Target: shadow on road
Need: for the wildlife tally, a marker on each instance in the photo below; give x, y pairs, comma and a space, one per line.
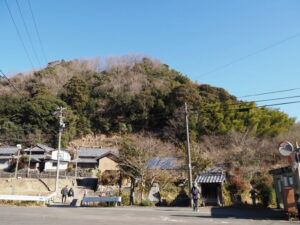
242, 213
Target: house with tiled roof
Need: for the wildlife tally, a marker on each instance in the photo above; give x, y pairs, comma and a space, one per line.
97, 158
7, 154
44, 158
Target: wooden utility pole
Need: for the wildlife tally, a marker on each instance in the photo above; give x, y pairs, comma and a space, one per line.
59, 113
28, 167
19, 147
188, 150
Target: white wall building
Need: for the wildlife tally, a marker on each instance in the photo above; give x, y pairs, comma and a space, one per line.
51, 162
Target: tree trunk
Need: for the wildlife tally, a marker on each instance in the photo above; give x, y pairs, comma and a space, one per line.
120, 183
131, 200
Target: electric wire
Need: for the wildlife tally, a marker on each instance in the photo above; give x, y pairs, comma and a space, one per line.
17, 90
246, 109
249, 55
275, 99
28, 34
37, 32
271, 92
19, 34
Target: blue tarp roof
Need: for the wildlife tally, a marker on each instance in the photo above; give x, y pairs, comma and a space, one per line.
168, 163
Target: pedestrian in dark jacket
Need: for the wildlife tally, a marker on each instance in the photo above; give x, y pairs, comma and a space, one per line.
71, 193
64, 193
195, 195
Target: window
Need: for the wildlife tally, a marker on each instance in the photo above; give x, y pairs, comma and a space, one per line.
291, 181
279, 185
285, 181
54, 164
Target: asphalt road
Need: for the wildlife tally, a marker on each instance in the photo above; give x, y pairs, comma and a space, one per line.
137, 216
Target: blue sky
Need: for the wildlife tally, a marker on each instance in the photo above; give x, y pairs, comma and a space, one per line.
192, 36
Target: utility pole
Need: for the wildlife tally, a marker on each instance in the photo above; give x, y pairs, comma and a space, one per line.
28, 168
19, 147
188, 150
76, 163
59, 113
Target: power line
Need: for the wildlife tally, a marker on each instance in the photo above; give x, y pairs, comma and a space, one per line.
267, 93
246, 109
37, 32
274, 99
249, 55
248, 102
27, 32
19, 34
10, 83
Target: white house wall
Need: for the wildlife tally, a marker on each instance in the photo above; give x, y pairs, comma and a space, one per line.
64, 156
49, 165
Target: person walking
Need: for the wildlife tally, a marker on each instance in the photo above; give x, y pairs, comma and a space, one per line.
195, 195
64, 193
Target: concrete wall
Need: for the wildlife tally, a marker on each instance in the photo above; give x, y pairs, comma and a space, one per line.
28, 186
106, 163
4, 164
50, 167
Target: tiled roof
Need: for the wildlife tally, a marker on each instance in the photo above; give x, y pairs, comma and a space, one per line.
95, 152
282, 170
44, 147
169, 163
8, 150
210, 177
85, 161
6, 157
37, 158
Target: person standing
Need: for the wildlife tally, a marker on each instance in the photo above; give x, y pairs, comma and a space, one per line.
71, 193
253, 194
195, 195
64, 193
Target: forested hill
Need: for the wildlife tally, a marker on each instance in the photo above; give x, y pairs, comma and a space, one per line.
125, 96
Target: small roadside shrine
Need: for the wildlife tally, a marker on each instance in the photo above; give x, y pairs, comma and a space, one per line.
286, 180
210, 182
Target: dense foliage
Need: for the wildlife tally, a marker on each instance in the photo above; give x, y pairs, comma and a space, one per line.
124, 97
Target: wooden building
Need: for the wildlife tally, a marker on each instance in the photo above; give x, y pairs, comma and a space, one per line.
210, 183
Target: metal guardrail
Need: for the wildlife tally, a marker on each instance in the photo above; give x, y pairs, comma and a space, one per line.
44, 199
102, 199
87, 200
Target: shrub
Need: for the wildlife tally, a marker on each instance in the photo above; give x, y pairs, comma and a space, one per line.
236, 186
125, 199
146, 203
227, 200
109, 178
264, 190
264, 193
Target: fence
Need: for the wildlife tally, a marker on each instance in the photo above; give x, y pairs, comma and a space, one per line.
38, 175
